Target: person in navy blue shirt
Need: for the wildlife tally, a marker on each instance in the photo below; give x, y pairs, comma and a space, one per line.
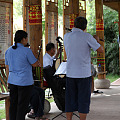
19, 61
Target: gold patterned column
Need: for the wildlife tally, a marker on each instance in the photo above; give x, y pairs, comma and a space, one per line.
101, 82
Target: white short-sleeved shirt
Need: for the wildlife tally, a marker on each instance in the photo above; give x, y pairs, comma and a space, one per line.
78, 46
47, 60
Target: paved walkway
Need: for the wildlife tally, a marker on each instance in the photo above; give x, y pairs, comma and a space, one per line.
117, 82
104, 106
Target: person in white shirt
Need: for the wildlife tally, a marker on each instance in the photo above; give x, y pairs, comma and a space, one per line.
78, 46
50, 55
49, 60
56, 83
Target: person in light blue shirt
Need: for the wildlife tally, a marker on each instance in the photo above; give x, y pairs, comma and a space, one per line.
78, 46
19, 61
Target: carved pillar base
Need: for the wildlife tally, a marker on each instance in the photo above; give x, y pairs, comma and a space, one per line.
102, 84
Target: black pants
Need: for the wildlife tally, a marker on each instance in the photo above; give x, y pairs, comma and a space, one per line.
19, 101
37, 101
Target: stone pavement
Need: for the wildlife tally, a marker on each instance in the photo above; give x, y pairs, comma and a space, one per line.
105, 106
116, 82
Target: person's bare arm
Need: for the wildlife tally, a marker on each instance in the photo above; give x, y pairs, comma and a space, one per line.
100, 49
36, 64
97, 38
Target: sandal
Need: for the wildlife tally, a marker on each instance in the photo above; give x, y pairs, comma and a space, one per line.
97, 91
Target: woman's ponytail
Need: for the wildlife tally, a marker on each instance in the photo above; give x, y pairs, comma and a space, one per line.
15, 46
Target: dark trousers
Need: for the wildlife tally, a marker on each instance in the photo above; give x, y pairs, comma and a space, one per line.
37, 101
78, 98
19, 101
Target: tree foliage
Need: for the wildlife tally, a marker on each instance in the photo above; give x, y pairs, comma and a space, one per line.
17, 4
90, 15
111, 37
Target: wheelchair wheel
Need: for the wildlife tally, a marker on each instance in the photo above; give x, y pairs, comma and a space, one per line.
47, 106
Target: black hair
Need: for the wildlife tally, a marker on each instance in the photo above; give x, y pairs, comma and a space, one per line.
19, 35
49, 46
81, 23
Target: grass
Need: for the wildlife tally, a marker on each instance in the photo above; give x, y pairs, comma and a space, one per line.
50, 99
111, 77
2, 110
2, 114
1, 102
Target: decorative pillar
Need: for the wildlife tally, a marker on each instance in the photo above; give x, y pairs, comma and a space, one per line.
101, 82
66, 19
51, 21
71, 10
32, 24
35, 25
35, 33
51, 24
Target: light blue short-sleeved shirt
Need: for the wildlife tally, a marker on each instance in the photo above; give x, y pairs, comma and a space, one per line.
19, 61
78, 46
